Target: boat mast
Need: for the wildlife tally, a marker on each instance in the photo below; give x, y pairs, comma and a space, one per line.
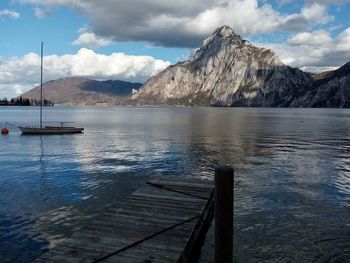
41, 87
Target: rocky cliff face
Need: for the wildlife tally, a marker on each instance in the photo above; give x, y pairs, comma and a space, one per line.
330, 89
227, 71
82, 91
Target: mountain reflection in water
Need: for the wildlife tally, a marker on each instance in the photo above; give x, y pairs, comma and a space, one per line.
292, 175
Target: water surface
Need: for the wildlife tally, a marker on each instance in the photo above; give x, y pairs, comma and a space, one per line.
292, 174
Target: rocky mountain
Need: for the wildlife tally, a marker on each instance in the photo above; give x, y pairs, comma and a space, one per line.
230, 71
82, 91
330, 89
226, 71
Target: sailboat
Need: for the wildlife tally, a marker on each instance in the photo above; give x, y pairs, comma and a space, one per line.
61, 129
50, 129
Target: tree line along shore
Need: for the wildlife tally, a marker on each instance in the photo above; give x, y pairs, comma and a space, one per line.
24, 102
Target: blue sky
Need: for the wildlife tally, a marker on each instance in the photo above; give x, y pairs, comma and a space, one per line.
133, 40
58, 30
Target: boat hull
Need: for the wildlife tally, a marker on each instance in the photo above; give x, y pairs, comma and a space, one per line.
51, 130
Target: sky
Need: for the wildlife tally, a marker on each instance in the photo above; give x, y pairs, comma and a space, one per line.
135, 39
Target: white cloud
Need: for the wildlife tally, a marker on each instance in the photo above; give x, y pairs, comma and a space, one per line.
317, 13
328, 2
343, 41
10, 13
18, 75
90, 40
314, 51
42, 13
49, 2
170, 27
315, 38
186, 23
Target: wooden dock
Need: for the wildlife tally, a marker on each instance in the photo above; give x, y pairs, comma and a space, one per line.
160, 222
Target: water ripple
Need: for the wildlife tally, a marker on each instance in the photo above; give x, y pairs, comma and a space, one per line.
292, 180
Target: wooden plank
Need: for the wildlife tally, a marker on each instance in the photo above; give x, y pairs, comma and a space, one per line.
186, 182
180, 187
159, 222
158, 185
181, 181
163, 201
162, 197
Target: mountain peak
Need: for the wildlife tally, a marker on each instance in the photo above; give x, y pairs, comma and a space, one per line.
223, 34
227, 70
224, 31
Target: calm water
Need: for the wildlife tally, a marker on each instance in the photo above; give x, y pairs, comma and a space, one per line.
292, 170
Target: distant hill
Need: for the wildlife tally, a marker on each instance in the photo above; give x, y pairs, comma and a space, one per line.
83, 91
230, 71
331, 89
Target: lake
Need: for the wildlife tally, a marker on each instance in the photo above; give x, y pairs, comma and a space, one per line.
292, 174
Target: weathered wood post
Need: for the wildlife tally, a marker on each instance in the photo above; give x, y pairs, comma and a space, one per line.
224, 214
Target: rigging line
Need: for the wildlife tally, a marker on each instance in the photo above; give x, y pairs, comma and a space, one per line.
10, 124
145, 239
176, 191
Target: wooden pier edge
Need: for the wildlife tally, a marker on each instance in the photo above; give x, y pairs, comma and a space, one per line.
194, 245
184, 206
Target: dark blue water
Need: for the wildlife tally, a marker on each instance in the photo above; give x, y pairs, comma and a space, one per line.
292, 174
